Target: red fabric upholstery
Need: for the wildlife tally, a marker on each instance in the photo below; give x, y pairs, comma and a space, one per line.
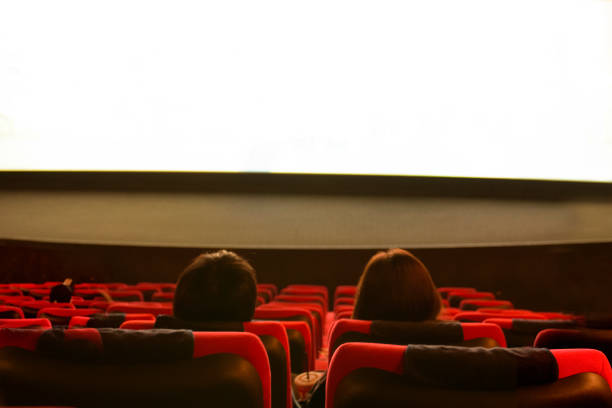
270, 286
11, 310
277, 330
40, 304
350, 356
88, 304
574, 361
14, 300
478, 330
445, 290
25, 323
306, 289
304, 330
81, 321
345, 290
345, 325
10, 292
478, 303
504, 323
154, 308
128, 295
138, 325
295, 307
265, 312
344, 301
66, 312
246, 345
162, 296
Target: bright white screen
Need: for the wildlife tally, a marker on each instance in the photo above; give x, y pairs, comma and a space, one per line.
477, 88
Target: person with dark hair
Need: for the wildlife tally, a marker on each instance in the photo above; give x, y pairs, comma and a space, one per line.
395, 285
61, 293
217, 286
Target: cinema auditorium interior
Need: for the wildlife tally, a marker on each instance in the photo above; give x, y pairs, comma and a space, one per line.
284, 204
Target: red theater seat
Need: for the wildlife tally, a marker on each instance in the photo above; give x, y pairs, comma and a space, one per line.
31, 308
269, 286
154, 308
109, 320
314, 310
476, 304
301, 289
162, 297
345, 291
25, 323
382, 375
391, 332
455, 297
445, 290
576, 338
61, 316
91, 368
290, 314
14, 300
522, 332
10, 292
11, 312
274, 338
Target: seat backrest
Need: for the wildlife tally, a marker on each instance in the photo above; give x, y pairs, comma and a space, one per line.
274, 338
474, 304
271, 311
300, 346
112, 367
444, 291
11, 312
382, 375
25, 323
576, 338
270, 286
455, 297
154, 308
31, 308
108, 320
431, 332
522, 332
59, 316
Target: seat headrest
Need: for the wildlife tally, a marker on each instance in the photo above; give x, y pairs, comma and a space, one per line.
478, 368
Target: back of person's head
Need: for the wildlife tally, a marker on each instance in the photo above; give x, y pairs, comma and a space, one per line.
217, 286
395, 285
61, 293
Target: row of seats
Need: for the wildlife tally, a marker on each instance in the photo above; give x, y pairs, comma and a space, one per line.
182, 367
305, 308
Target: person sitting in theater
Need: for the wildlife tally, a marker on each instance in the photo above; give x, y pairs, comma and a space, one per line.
216, 286
395, 285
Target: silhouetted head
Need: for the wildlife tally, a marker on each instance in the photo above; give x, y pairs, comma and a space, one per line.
395, 285
60, 293
218, 286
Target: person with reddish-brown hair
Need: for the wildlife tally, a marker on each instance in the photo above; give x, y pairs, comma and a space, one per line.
216, 286
395, 285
